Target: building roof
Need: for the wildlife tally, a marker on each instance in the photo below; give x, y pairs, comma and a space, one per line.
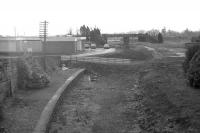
48, 38
20, 38
68, 39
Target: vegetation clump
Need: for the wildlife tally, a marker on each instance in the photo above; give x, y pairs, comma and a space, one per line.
160, 38
153, 36
191, 65
93, 35
1, 113
191, 50
31, 74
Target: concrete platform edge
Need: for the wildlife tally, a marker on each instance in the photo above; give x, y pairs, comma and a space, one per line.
43, 122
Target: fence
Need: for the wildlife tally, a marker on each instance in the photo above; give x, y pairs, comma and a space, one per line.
75, 59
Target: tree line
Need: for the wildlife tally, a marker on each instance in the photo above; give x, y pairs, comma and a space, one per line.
153, 36
92, 35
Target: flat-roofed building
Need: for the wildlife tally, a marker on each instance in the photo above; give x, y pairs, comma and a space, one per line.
54, 45
64, 45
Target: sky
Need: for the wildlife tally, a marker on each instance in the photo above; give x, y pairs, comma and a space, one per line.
111, 16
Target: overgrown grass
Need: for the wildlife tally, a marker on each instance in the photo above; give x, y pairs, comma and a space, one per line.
31, 74
1, 113
191, 65
133, 54
191, 50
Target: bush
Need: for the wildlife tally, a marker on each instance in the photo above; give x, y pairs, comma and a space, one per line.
132, 54
30, 74
126, 42
191, 50
193, 72
191, 65
1, 113
195, 39
160, 38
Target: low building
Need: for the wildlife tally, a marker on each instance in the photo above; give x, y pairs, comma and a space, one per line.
54, 45
115, 41
20, 45
64, 45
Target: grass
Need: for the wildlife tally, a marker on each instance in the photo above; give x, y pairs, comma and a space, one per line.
133, 54
167, 44
167, 94
168, 104
164, 103
108, 102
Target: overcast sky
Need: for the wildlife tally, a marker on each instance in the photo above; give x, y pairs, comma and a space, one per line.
111, 16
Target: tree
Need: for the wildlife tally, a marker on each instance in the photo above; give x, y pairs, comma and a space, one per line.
92, 35
160, 38
96, 37
153, 35
164, 31
126, 42
85, 31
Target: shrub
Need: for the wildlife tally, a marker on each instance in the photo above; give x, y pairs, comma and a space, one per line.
195, 39
191, 50
160, 38
30, 74
126, 42
191, 65
193, 72
1, 113
142, 37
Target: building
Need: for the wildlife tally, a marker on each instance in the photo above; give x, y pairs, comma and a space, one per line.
64, 45
20, 44
115, 41
54, 45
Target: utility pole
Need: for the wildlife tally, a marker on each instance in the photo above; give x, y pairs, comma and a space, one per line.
43, 36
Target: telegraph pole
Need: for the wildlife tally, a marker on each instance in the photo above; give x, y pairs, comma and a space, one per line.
43, 36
